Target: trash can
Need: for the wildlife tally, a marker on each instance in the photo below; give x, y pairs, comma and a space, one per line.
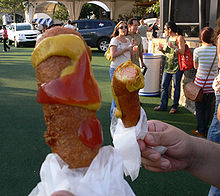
152, 76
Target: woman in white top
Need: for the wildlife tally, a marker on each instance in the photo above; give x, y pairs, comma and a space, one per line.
203, 58
120, 50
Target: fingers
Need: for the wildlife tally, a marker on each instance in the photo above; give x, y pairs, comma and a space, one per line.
153, 161
151, 154
141, 145
156, 166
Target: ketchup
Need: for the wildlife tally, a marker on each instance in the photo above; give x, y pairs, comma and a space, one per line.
90, 133
78, 88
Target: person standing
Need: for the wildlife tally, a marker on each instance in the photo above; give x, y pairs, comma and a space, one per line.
120, 50
203, 58
5, 38
135, 39
171, 68
155, 28
143, 29
69, 25
214, 129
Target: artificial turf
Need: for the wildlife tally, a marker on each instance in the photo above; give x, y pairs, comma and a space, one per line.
22, 146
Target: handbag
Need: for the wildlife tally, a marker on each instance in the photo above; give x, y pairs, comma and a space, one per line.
185, 60
108, 55
194, 92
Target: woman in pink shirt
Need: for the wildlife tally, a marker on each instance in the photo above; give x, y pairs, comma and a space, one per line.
5, 38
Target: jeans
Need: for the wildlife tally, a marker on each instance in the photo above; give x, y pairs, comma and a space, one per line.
166, 79
214, 129
203, 112
5, 44
214, 191
214, 135
111, 71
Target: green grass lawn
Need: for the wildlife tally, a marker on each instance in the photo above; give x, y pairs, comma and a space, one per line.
22, 146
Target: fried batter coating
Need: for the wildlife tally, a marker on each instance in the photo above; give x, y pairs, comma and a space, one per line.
63, 122
126, 82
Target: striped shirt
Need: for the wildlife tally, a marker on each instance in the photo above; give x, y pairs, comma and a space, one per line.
204, 56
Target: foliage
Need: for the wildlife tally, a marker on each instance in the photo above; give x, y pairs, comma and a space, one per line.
155, 8
140, 11
88, 9
61, 14
12, 6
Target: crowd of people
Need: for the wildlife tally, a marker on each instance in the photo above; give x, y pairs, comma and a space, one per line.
195, 154
128, 42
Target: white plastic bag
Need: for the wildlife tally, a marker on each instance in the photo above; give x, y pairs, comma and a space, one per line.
104, 177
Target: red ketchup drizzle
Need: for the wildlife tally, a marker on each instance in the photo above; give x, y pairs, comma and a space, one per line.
90, 133
77, 88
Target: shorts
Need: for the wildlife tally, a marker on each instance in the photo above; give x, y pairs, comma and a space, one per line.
144, 42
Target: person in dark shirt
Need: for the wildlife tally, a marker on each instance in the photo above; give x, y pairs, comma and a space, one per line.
155, 28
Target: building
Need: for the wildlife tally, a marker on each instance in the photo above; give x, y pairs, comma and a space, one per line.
115, 7
199, 13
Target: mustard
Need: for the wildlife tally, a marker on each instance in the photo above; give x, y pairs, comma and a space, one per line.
131, 84
68, 45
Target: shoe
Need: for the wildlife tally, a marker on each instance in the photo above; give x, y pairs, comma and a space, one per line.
158, 108
4, 50
173, 111
196, 132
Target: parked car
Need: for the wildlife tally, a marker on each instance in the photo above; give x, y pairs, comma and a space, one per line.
151, 21
22, 33
97, 33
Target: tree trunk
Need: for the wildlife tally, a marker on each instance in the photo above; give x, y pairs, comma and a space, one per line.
14, 17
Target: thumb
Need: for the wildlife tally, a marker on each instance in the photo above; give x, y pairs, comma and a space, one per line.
153, 138
158, 139
168, 137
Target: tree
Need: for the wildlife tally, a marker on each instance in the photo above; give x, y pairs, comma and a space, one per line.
88, 9
146, 8
155, 9
61, 14
12, 6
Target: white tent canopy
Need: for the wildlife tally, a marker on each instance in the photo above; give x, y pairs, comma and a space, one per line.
101, 5
43, 18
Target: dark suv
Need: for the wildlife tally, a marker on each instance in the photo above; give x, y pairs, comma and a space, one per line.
96, 33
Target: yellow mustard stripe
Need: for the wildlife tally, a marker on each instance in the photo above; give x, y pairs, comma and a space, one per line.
131, 85
94, 106
68, 45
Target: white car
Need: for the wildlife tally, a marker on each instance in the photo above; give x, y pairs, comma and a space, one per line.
22, 33
151, 21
